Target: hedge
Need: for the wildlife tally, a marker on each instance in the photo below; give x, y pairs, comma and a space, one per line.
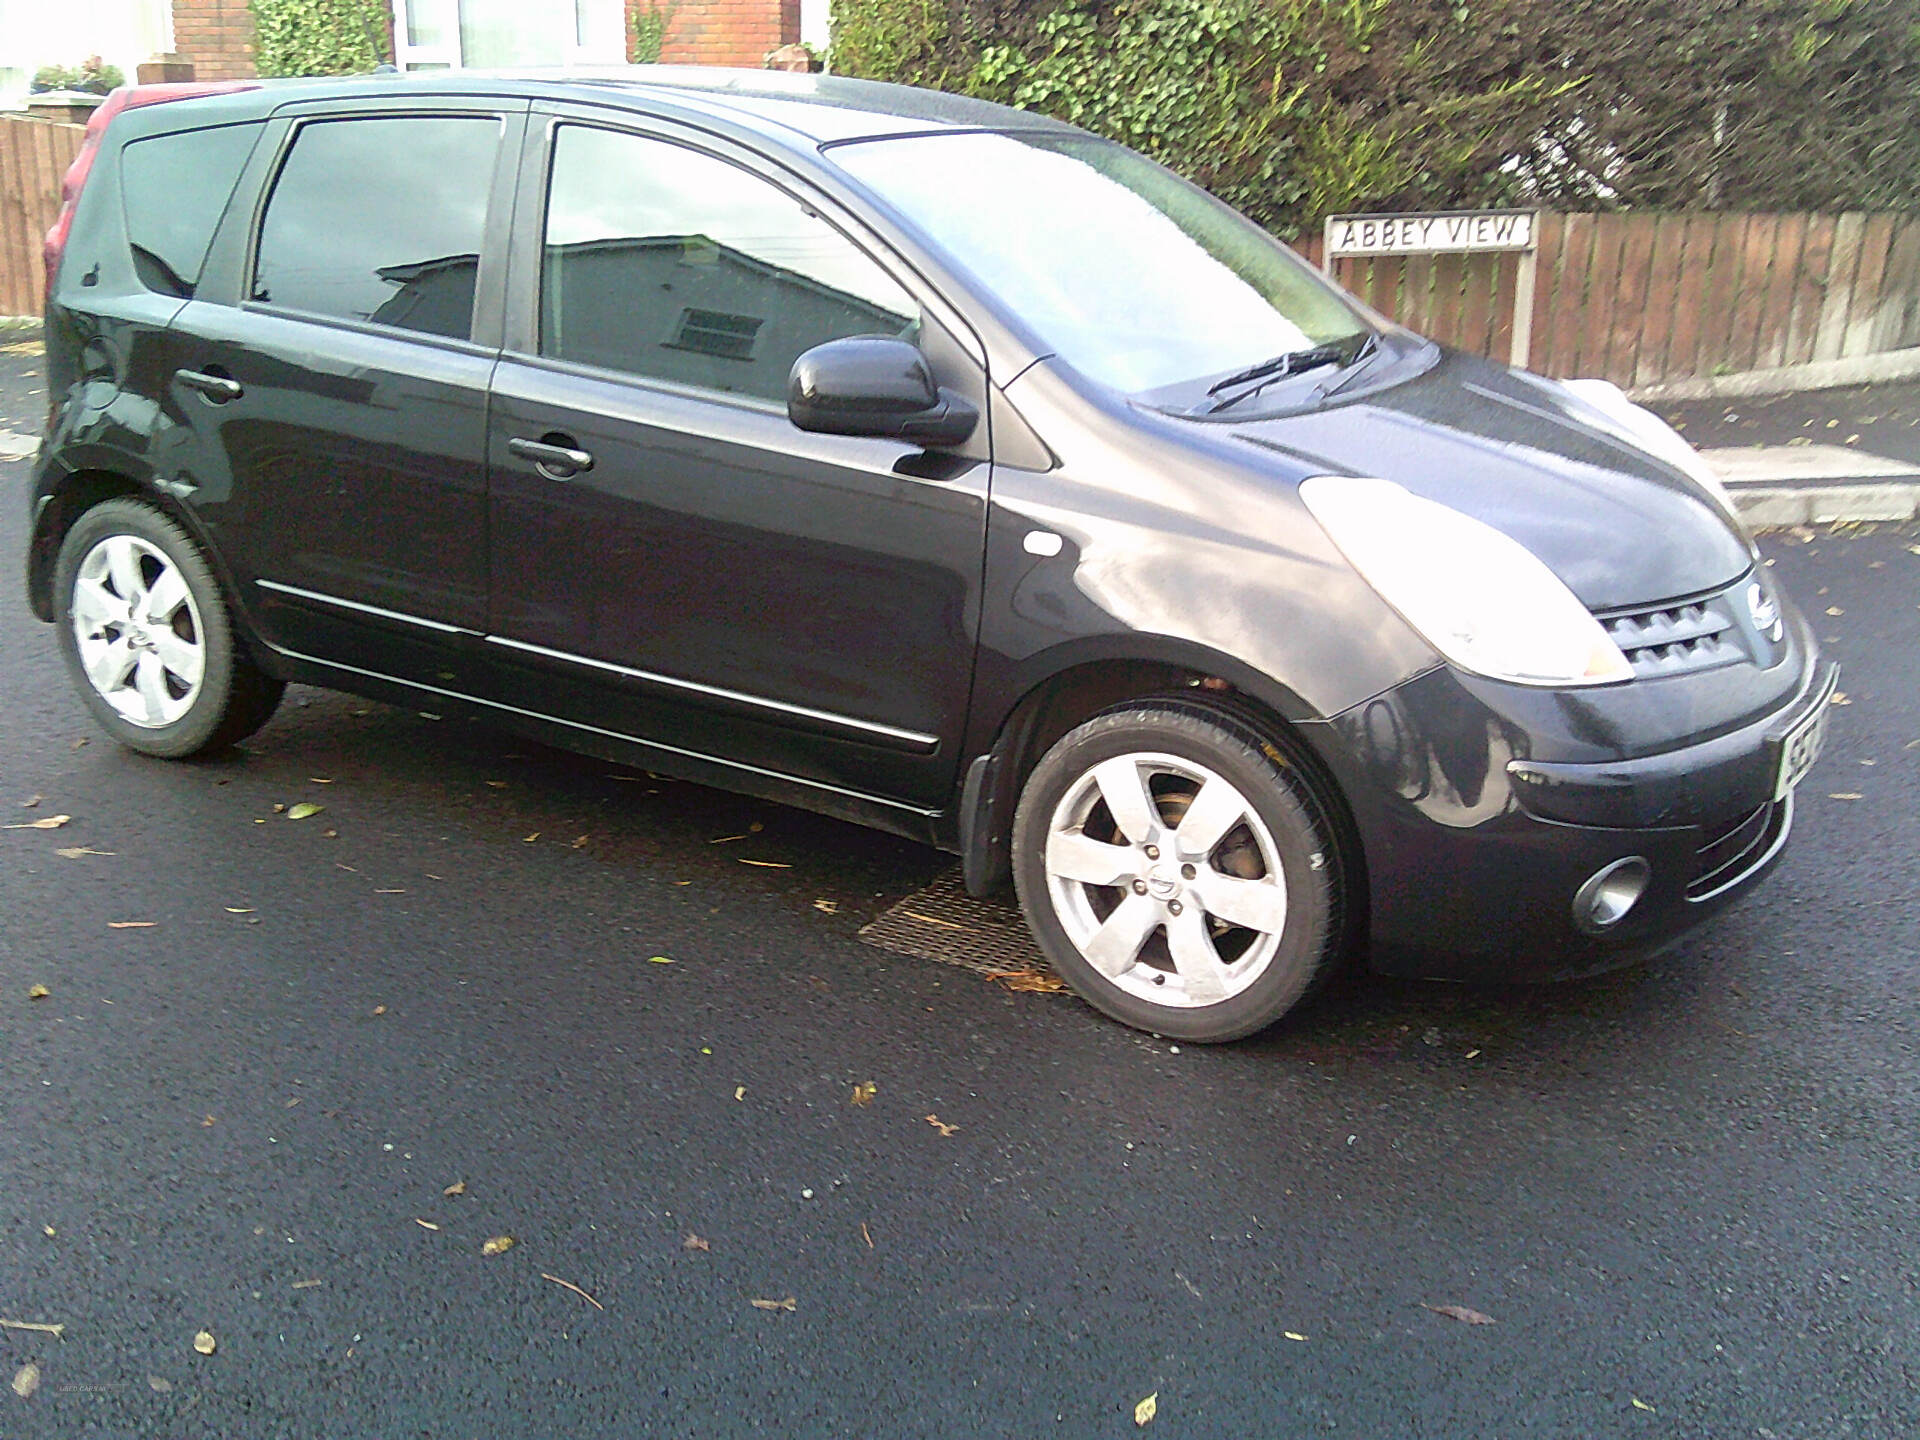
1295, 109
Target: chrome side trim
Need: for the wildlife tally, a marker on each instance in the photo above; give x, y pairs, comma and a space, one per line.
911, 738
466, 699
317, 598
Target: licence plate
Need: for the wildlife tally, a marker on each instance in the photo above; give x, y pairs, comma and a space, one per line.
1801, 748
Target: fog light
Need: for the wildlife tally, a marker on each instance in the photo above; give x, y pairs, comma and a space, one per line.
1603, 902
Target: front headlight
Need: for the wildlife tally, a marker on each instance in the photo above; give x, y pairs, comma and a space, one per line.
1483, 600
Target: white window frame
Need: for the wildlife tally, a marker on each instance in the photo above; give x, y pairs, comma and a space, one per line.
407, 56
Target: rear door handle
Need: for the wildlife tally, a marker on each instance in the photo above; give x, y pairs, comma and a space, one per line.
218, 388
556, 456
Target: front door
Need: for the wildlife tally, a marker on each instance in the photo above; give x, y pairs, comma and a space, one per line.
346, 394
672, 559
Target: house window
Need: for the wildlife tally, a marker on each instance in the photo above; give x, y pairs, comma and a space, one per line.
482, 34
714, 332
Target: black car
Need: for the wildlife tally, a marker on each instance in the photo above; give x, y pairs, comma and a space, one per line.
920, 461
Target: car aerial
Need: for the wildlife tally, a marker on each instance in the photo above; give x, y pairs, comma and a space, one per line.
920, 461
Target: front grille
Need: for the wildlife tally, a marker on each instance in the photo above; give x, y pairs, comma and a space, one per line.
1729, 851
1678, 639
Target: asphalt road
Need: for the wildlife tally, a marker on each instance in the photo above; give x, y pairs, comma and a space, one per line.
1685, 1195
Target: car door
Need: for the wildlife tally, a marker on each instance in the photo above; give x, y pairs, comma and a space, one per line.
672, 559
343, 397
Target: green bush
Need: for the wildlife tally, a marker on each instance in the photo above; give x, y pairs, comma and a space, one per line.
1296, 109
320, 37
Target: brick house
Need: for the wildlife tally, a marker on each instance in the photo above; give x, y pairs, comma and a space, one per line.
217, 35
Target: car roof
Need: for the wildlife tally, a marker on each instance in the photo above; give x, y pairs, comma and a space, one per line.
798, 111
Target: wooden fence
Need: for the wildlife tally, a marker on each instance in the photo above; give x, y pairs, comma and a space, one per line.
1637, 298
34, 155
1642, 298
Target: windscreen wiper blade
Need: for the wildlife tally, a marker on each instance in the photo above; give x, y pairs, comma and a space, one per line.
1257, 377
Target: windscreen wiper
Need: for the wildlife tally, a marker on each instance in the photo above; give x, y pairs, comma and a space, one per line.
1257, 377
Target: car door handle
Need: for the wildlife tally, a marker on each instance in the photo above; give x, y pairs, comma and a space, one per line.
555, 459
217, 388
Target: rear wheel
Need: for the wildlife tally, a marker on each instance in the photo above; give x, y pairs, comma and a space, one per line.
145, 633
1179, 871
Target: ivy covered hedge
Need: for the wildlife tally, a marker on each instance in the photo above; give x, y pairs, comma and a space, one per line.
321, 37
1295, 109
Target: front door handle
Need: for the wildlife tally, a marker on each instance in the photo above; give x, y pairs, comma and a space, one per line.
556, 456
217, 388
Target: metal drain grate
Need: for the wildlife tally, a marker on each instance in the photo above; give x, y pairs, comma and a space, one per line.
944, 923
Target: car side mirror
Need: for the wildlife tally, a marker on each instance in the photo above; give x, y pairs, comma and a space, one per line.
878, 386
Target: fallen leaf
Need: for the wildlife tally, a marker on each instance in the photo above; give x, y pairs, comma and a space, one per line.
131, 924
1640, 1404
1144, 1412
768, 864
81, 743
1031, 982
280, 809
739, 1092
239, 909
1294, 1335
425, 1224
459, 1187
942, 1127
866, 1235
1840, 697
1846, 795
379, 1009
498, 1245
694, 1242
306, 1284
78, 852
863, 1093
38, 1327
389, 891
931, 920
204, 1342
305, 810
26, 1381
316, 780
207, 1124
38, 992
49, 1231
581, 842
1460, 1313
1835, 610
52, 822
827, 907
726, 839
159, 1386
31, 802
658, 960
569, 1285
529, 839
786, 1304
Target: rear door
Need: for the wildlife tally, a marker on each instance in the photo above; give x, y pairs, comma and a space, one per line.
342, 398
701, 574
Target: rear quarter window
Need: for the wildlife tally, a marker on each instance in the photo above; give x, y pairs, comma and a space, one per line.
174, 189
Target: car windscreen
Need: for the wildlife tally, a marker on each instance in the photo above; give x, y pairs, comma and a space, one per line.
1131, 275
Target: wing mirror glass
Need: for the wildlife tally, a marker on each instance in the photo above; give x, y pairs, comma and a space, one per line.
878, 386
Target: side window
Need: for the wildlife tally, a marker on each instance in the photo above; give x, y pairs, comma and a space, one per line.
380, 219
174, 189
667, 263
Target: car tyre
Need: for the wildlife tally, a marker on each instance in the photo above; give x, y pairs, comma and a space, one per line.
148, 638
1180, 871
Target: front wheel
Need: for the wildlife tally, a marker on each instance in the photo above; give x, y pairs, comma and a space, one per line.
145, 633
1179, 871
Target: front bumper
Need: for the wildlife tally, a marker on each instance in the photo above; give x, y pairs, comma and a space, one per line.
1475, 849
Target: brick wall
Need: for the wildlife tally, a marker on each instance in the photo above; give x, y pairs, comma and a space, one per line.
217, 36
726, 32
